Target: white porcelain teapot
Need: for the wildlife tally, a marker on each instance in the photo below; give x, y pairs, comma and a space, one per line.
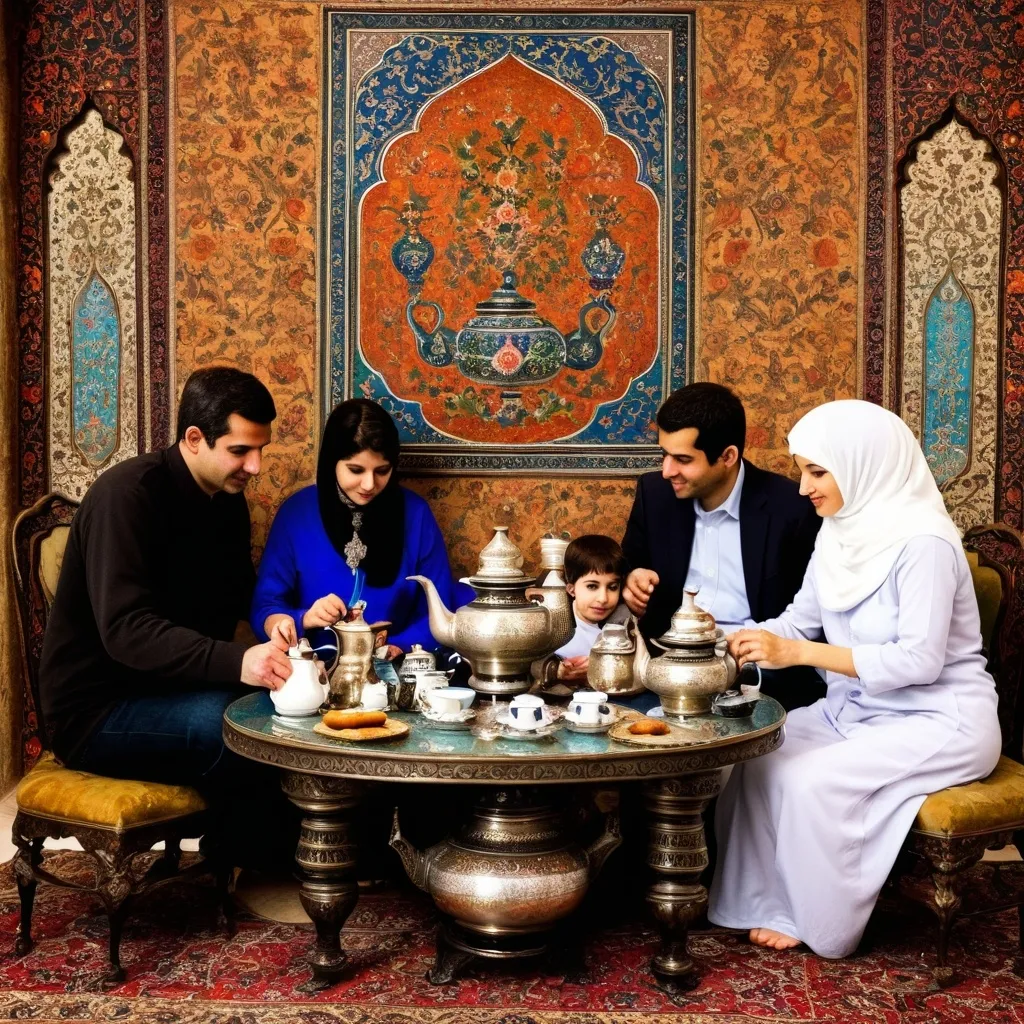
306, 688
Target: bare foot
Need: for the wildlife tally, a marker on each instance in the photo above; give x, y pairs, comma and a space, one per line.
773, 939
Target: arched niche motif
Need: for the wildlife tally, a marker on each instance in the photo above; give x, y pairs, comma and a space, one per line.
91, 350
951, 207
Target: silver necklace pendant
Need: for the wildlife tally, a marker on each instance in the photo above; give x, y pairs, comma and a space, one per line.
355, 549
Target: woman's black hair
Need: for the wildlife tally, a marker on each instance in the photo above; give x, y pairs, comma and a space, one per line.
356, 426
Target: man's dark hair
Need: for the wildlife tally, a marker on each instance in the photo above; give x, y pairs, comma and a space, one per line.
594, 552
713, 410
212, 394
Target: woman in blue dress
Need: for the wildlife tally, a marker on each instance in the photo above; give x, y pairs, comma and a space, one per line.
354, 535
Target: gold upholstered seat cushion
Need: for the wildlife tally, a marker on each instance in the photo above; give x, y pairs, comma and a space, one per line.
993, 804
63, 794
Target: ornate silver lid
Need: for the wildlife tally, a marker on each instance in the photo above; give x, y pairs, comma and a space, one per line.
691, 625
614, 639
501, 561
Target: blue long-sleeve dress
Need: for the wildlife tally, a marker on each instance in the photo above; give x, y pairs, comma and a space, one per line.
300, 565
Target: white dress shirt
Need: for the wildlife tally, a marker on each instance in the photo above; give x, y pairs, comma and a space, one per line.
716, 562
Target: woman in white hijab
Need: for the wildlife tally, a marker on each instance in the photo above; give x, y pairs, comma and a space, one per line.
887, 612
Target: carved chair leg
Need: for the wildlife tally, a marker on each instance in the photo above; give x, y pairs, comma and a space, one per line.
1018, 842
28, 857
950, 859
223, 876
116, 916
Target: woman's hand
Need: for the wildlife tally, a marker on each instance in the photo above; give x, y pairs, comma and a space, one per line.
573, 669
324, 612
767, 649
281, 631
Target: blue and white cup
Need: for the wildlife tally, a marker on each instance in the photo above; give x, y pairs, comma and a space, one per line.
588, 707
526, 712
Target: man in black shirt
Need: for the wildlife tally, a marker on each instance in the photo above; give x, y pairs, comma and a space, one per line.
139, 659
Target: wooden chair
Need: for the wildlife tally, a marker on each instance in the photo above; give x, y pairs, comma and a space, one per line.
116, 821
956, 826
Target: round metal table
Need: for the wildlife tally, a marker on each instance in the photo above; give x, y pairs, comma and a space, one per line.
326, 777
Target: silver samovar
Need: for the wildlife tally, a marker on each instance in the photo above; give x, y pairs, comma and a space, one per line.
503, 630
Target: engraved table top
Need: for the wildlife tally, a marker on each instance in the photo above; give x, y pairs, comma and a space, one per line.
252, 729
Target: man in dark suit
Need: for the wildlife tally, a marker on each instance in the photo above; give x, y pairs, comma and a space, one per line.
715, 523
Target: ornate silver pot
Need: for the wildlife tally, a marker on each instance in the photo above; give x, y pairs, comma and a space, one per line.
696, 664
503, 630
511, 869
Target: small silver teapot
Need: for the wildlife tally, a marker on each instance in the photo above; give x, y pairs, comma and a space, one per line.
610, 668
696, 664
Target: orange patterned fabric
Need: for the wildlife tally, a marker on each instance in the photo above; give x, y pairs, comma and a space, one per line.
247, 128
777, 186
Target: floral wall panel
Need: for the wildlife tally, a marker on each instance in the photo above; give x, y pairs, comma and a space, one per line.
468, 509
508, 232
779, 209
93, 372
246, 155
109, 52
951, 216
925, 61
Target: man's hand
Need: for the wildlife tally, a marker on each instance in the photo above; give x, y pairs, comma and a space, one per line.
767, 649
572, 669
324, 612
640, 584
266, 665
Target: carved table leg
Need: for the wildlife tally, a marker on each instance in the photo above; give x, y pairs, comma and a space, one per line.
678, 854
326, 859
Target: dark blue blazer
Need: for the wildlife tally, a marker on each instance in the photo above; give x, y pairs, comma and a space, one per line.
777, 532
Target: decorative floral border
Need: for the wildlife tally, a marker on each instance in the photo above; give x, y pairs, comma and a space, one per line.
919, 66
71, 54
431, 451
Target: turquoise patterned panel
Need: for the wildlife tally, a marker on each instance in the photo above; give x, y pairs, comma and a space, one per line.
948, 378
96, 365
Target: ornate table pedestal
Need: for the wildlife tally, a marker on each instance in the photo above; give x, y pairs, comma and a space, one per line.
326, 862
677, 853
322, 776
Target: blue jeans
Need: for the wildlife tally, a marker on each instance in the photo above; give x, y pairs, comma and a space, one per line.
176, 738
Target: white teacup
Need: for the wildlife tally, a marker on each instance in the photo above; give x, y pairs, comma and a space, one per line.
463, 694
442, 701
588, 707
526, 711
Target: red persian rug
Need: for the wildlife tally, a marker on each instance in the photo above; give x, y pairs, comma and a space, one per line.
182, 970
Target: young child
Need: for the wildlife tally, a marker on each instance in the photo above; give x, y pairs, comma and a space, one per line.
594, 572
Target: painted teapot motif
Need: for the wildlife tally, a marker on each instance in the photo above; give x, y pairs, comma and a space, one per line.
508, 343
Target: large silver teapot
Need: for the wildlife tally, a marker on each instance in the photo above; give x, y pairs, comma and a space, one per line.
503, 630
696, 664
511, 869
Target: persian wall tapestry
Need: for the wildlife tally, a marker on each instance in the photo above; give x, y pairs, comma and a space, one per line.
951, 218
93, 406
509, 225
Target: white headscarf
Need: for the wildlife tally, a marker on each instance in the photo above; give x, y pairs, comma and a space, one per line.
889, 496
